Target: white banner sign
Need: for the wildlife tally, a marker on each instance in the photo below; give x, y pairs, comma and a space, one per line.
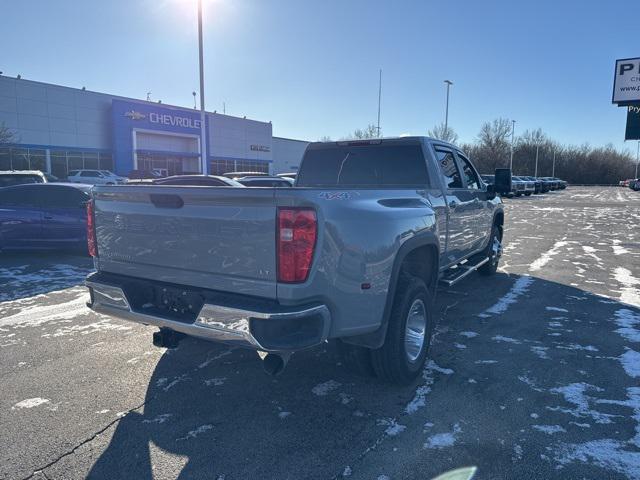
626, 82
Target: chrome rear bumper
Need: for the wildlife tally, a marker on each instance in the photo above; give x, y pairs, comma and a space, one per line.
259, 330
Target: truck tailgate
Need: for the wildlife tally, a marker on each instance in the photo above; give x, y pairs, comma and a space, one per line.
212, 237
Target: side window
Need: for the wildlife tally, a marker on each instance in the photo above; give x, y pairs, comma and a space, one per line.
470, 175
63, 197
21, 196
448, 168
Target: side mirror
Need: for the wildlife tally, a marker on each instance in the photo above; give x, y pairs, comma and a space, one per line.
502, 183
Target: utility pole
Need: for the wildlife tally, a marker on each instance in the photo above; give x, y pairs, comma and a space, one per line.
553, 168
513, 131
203, 129
379, 98
446, 111
537, 149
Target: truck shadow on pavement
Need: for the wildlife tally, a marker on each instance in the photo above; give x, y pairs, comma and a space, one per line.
27, 274
501, 356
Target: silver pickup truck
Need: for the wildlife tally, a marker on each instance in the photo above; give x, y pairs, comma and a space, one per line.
352, 253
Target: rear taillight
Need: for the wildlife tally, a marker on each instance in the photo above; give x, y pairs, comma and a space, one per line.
296, 240
92, 244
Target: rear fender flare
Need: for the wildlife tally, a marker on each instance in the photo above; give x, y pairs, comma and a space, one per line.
376, 338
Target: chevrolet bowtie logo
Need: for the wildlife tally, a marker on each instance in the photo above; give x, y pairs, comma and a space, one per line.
133, 115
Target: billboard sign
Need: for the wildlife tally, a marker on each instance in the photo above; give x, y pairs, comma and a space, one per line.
626, 81
633, 123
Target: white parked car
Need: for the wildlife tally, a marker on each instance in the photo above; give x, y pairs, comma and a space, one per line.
95, 177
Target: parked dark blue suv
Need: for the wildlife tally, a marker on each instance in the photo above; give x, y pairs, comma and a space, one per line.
43, 216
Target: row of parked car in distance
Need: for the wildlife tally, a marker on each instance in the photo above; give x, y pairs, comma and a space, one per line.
105, 177
632, 183
528, 185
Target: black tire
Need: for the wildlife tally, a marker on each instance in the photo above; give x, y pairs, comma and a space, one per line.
391, 362
528, 194
356, 359
491, 266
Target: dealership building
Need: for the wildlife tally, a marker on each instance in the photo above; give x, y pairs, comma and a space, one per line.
58, 129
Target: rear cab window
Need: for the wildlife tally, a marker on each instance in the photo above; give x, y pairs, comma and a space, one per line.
364, 164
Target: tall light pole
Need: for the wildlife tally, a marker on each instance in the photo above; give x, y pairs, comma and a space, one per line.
379, 98
513, 131
446, 112
537, 149
553, 168
203, 129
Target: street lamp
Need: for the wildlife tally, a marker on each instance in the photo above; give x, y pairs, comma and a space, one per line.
203, 130
446, 114
513, 130
537, 150
553, 168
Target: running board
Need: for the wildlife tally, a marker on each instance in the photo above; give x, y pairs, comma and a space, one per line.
453, 276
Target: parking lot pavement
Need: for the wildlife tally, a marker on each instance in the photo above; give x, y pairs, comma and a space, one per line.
535, 373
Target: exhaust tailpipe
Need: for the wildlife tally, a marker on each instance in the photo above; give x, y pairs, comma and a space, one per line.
274, 363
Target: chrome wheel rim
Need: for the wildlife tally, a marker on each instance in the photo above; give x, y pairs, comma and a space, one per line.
415, 330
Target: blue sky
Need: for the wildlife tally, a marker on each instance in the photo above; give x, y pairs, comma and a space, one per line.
311, 67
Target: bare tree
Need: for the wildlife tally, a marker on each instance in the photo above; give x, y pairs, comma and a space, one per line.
325, 138
444, 133
370, 132
493, 146
6, 135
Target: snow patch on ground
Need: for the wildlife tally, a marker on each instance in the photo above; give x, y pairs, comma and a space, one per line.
323, 389
443, 440
556, 309
469, 334
194, 433
38, 314
630, 293
500, 338
519, 288
575, 393
549, 429
606, 453
163, 417
30, 403
541, 352
420, 396
631, 363
547, 256
627, 321
393, 427
214, 358
18, 280
216, 382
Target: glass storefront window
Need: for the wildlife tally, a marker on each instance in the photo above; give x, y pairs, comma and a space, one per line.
19, 159
59, 164
91, 161
37, 160
74, 161
106, 162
